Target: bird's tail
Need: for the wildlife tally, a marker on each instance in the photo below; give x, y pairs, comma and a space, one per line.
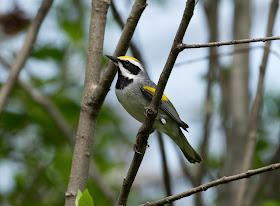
191, 155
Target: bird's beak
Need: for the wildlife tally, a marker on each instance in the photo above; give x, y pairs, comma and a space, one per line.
114, 59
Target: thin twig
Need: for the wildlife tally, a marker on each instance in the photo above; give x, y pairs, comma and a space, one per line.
145, 129
134, 50
166, 175
23, 54
95, 98
222, 54
223, 180
214, 44
210, 9
255, 112
47, 104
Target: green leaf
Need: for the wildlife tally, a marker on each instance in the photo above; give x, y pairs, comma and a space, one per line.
73, 29
78, 197
270, 203
47, 51
86, 199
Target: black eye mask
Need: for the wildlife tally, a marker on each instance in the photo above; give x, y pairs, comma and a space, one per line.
130, 67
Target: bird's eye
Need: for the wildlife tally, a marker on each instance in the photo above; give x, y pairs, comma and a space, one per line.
126, 63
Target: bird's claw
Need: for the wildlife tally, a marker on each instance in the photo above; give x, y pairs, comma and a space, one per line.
135, 149
149, 111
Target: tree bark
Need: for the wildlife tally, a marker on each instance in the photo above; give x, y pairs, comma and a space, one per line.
211, 10
88, 118
239, 107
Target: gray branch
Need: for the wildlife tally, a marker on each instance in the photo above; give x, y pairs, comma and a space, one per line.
87, 122
145, 129
23, 54
255, 112
223, 180
214, 44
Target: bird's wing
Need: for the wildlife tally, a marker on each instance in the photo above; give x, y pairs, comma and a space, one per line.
165, 104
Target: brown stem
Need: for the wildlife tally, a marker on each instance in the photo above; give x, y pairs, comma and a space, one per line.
23, 54
232, 42
223, 180
145, 129
255, 112
166, 175
87, 122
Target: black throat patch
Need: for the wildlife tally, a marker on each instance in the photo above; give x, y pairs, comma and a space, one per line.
122, 81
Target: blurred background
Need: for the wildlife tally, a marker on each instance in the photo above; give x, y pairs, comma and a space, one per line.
212, 89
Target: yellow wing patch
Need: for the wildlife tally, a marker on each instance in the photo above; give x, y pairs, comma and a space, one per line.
152, 91
126, 57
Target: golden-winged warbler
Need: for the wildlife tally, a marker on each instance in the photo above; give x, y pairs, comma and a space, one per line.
134, 90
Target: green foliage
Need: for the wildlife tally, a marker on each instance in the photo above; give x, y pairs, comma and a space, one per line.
30, 139
84, 199
270, 203
48, 52
79, 194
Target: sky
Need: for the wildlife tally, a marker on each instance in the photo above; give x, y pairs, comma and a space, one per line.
186, 88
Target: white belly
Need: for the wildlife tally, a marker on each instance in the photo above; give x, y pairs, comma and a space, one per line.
133, 102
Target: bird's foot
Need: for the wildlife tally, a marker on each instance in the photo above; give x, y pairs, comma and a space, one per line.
149, 111
135, 149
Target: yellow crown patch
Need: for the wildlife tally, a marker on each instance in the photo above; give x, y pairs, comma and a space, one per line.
126, 57
152, 90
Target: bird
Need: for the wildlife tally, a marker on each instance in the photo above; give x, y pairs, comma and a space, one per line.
134, 90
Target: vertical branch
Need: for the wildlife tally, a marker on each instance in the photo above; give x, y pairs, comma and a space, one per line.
239, 102
145, 129
95, 90
166, 175
212, 14
87, 121
23, 54
255, 112
48, 105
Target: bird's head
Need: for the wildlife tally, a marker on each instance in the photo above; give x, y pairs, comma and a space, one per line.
129, 67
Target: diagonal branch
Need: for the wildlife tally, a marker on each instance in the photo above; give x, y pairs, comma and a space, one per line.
214, 44
96, 97
165, 170
46, 103
135, 51
145, 129
223, 180
255, 112
23, 54
96, 90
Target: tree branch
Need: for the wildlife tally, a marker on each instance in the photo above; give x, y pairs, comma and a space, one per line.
222, 54
96, 97
95, 90
23, 54
220, 181
214, 44
87, 122
145, 129
255, 112
135, 51
212, 15
48, 105
166, 175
